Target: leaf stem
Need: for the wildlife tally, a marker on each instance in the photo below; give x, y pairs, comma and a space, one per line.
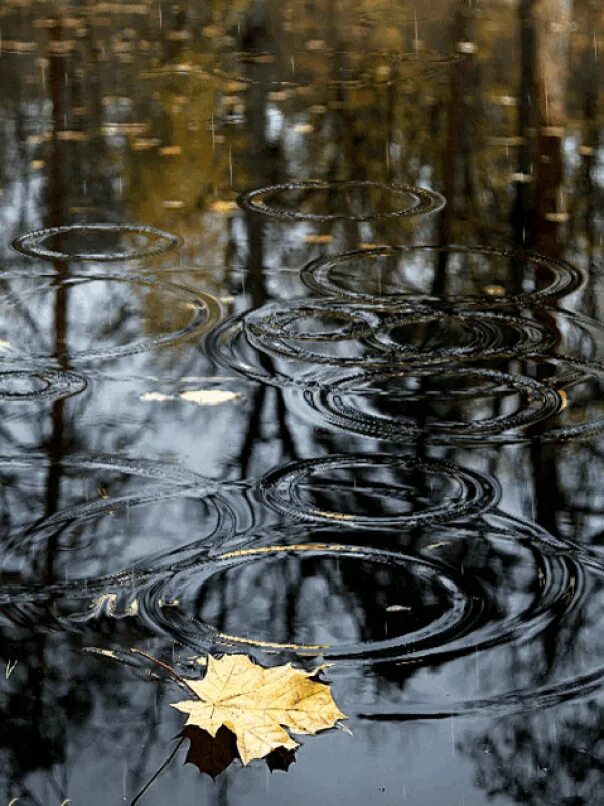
159, 771
172, 672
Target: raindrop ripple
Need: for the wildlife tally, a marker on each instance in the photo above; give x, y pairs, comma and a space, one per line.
205, 312
543, 583
56, 384
330, 403
421, 202
224, 503
317, 275
474, 492
32, 243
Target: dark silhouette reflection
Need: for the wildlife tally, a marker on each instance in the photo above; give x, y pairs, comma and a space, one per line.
213, 754
537, 760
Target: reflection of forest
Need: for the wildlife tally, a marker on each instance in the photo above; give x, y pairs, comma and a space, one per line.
538, 760
119, 114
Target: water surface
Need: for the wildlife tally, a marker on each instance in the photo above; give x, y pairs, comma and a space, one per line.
302, 357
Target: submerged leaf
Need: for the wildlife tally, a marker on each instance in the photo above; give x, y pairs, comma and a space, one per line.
256, 704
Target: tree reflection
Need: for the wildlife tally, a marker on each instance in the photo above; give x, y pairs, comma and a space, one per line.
542, 760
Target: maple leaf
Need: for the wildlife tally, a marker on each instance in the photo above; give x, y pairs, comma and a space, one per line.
256, 704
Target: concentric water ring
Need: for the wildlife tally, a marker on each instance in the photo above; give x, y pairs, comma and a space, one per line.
205, 313
171, 479
229, 346
274, 321
322, 397
280, 490
32, 243
269, 329
559, 590
223, 345
56, 384
486, 329
565, 278
168, 483
454, 617
329, 402
146, 566
473, 620
423, 200
428, 62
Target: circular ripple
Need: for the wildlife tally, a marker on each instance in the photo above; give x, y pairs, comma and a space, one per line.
381, 268
377, 480
39, 384
462, 590
154, 242
276, 321
227, 345
446, 607
460, 623
406, 200
82, 543
533, 588
343, 403
560, 386
276, 329
330, 68
30, 300
487, 334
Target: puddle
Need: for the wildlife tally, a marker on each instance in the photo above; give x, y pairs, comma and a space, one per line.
302, 359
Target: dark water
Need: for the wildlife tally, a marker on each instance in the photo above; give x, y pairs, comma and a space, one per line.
301, 356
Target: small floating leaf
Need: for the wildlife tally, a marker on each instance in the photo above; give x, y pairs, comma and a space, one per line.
223, 206
209, 397
155, 396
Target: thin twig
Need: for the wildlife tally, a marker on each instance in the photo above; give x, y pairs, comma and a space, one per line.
159, 771
172, 672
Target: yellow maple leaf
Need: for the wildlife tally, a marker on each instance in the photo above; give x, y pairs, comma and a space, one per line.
256, 704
